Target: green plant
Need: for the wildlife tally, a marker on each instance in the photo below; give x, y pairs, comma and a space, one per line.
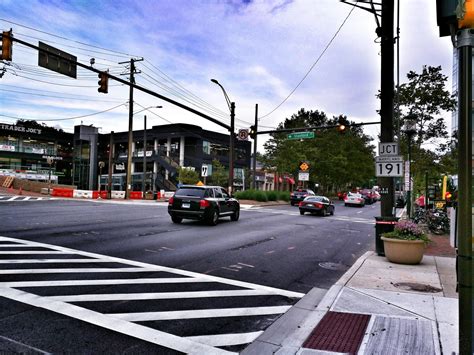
284, 196
272, 195
407, 230
261, 196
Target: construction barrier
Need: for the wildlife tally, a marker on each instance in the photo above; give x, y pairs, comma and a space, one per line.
117, 194
96, 194
82, 194
62, 192
136, 195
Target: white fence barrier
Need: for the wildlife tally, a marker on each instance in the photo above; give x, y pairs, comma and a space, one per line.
82, 194
118, 194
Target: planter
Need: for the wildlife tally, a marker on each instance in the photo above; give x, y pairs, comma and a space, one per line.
404, 251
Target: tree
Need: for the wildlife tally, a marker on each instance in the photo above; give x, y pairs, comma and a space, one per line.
188, 176
425, 97
220, 176
336, 160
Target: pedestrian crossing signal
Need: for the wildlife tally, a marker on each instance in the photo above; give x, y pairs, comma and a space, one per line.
103, 83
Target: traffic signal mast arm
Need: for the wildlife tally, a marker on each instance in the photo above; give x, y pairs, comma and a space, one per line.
303, 129
120, 80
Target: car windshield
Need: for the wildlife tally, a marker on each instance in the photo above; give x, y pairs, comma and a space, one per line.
189, 191
315, 198
354, 195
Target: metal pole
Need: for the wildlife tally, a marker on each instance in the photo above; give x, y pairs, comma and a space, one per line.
465, 41
130, 131
231, 148
254, 167
409, 177
144, 158
386, 99
109, 181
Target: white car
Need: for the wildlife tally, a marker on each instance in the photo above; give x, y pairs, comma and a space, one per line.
353, 199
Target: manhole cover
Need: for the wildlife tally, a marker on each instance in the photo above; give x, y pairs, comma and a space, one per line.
332, 266
413, 286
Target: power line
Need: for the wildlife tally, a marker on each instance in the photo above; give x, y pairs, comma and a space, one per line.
312, 66
70, 40
89, 98
69, 118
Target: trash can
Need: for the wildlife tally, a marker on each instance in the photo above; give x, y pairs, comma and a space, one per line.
383, 225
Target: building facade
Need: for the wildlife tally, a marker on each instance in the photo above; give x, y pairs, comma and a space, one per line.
36, 152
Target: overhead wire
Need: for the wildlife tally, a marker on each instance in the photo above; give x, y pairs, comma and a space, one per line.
312, 66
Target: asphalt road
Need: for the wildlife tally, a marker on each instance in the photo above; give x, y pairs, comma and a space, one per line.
240, 276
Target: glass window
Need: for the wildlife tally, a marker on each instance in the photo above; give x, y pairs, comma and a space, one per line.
189, 191
206, 147
218, 193
224, 193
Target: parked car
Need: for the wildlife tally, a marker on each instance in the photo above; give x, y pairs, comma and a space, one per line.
368, 196
205, 203
377, 195
354, 199
299, 195
316, 204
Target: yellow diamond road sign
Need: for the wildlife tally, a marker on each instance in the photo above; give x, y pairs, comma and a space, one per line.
304, 166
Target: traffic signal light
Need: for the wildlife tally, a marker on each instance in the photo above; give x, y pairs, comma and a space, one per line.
103, 83
253, 132
6, 46
467, 14
341, 128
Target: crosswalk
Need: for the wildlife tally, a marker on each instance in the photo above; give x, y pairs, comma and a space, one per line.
135, 298
20, 198
336, 217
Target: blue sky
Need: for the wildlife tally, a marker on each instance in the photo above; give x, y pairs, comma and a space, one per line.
258, 50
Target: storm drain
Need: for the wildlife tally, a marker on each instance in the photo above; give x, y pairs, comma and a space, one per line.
338, 332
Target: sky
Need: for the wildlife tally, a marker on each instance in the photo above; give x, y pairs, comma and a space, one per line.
258, 50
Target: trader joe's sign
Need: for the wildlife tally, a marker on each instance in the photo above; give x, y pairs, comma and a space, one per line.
15, 128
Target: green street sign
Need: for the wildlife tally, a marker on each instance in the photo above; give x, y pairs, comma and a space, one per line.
301, 135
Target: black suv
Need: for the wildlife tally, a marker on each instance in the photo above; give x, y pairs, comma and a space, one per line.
299, 195
205, 203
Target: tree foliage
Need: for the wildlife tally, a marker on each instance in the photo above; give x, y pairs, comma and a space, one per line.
336, 160
220, 176
425, 98
188, 176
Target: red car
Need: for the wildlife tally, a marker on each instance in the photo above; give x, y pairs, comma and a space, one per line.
341, 195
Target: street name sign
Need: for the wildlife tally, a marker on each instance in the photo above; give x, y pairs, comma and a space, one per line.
301, 135
61, 62
388, 148
303, 176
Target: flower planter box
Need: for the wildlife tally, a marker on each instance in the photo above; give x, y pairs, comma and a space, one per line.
404, 251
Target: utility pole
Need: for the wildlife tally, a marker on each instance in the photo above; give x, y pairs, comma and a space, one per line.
254, 163
144, 157
465, 42
111, 154
386, 99
130, 127
232, 143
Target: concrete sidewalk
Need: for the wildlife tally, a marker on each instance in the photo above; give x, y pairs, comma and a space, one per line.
409, 309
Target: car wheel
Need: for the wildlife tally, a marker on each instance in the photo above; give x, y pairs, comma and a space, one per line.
345, 205
332, 212
323, 212
291, 203
235, 217
214, 218
176, 220
301, 212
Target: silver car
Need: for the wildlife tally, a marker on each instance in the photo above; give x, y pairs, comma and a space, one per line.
353, 199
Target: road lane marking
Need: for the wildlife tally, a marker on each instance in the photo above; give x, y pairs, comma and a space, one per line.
157, 295
61, 304
226, 339
115, 324
199, 313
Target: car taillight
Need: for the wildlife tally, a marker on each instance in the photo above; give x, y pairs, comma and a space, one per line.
361, 200
301, 204
305, 195
204, 203
292, 194
318, 205
171, 200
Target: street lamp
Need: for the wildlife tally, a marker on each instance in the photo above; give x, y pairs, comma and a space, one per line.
410, 131
129, 154
144, 154
231, 106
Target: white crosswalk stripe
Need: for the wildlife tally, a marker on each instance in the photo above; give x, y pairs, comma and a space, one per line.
125, 322
21, 198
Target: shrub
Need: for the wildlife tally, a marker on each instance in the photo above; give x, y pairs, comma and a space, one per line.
272, 195
261, 196
284, 196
